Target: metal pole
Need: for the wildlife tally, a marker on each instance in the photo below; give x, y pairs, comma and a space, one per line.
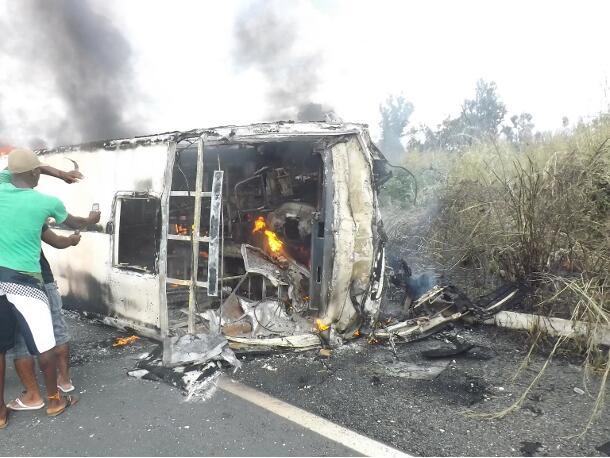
195, 238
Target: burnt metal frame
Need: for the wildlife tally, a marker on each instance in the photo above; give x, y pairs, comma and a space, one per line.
195, 238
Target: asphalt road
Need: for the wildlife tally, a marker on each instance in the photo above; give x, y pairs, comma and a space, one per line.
415, 405
120, 415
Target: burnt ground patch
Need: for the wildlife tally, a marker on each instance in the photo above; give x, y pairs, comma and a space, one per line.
456, 387
604, 448
435, 416
92, 341
532, 449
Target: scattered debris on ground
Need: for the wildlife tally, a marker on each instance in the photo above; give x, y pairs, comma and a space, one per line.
195, 365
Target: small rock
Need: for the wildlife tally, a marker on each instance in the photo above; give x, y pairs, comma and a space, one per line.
139, 373
531, 448
325, 352
269, 367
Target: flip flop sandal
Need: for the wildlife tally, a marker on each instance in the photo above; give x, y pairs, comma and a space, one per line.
70, 401
5, 423
69, 390
18, 404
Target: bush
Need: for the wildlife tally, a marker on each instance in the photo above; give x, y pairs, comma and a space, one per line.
537, 213
516, 215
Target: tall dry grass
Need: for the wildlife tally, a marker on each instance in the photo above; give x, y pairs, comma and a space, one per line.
538, 214
516, 215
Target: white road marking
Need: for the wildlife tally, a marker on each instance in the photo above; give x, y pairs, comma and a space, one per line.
328, 429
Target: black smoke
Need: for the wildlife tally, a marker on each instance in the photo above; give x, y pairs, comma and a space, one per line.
266, 39
315, 112
88, 62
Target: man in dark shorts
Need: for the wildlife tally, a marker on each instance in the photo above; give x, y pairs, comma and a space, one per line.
23, 301
31, 399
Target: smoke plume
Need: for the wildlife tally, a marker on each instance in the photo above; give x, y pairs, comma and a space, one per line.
87, 60
266, 40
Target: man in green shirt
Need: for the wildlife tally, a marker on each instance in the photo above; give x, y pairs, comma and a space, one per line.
23, 302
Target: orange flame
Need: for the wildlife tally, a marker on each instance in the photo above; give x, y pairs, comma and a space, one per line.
181, 229
122, 341
321, 326
275, 244
259, 224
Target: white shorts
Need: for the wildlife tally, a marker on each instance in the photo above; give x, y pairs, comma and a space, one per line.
31, 309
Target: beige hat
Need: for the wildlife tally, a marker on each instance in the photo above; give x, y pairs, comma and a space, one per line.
22, 160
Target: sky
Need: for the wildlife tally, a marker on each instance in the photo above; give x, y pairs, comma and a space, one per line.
188, 70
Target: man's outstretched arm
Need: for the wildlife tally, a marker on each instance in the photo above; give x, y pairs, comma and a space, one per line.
69, 177
59, 241
79, 222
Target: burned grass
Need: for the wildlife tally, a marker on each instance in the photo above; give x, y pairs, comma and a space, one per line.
540, 217
362, 387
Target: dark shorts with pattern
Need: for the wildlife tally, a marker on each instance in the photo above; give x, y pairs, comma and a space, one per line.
24, 306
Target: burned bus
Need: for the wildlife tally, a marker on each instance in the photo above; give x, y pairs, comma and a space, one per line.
269, 232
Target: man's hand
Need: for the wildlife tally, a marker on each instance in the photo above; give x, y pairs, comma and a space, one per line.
73, 176
94, 217
74, 238
79, 222
60, 241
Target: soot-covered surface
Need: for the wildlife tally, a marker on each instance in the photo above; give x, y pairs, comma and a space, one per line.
360, 387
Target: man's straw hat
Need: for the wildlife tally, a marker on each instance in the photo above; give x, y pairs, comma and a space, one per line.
22, 160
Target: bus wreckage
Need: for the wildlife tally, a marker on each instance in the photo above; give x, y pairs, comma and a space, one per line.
267, 235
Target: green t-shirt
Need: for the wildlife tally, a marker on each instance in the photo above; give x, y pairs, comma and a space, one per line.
22, 215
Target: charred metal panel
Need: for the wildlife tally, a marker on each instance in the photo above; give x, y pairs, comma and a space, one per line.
85, 273
318, 237
350, 221
340, 310
214, 244
163, 314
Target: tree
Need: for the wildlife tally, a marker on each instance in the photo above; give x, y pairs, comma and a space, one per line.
521, 130
395, 114
482, 115
479, 120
